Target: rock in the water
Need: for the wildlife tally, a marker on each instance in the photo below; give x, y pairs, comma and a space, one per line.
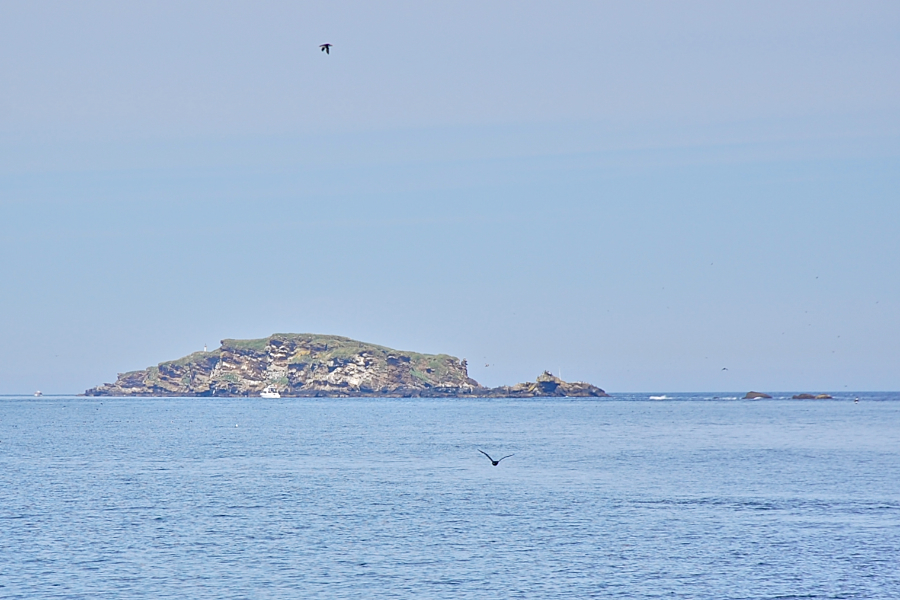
308, 365
803, 397
755, 395
824, 397
548, 385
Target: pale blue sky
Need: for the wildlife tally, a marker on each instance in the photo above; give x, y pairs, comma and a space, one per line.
637, 194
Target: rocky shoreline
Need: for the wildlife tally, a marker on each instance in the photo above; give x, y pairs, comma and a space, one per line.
323, 366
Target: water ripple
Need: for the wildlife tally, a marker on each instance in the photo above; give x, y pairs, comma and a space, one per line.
690, 498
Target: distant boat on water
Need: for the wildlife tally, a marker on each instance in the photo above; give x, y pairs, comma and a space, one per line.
270, 392
38, 394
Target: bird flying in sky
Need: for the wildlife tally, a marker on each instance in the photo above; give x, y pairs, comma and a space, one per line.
326, 48
495, 462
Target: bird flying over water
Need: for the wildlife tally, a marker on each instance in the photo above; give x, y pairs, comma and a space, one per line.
495, 462
326, 48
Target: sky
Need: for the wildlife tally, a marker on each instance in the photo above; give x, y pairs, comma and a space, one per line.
649, 196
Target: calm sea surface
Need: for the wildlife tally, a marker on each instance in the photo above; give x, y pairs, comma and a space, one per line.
687, 497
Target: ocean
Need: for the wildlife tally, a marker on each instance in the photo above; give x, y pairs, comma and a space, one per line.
690, 496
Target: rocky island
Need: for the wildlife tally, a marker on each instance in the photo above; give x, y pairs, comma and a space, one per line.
309, 365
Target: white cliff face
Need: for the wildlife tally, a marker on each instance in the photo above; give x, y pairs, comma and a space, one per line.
356, 373
275, 372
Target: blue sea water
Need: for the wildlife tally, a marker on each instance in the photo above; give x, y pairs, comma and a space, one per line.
684, 497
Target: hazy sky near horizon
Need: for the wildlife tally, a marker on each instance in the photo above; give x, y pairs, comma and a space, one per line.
637, 194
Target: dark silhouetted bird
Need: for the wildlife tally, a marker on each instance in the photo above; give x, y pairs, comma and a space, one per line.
326, 48
495, 462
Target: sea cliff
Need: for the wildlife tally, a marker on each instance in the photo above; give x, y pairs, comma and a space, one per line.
309, 365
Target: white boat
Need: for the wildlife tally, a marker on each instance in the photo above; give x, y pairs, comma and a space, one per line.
38, 394
270, 392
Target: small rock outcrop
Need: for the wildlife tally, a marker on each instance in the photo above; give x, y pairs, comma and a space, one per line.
755, 396
308, 365
548, 385
803, 397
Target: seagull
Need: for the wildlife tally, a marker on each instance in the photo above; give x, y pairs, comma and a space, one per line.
724, 368
326, 48
494, 462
